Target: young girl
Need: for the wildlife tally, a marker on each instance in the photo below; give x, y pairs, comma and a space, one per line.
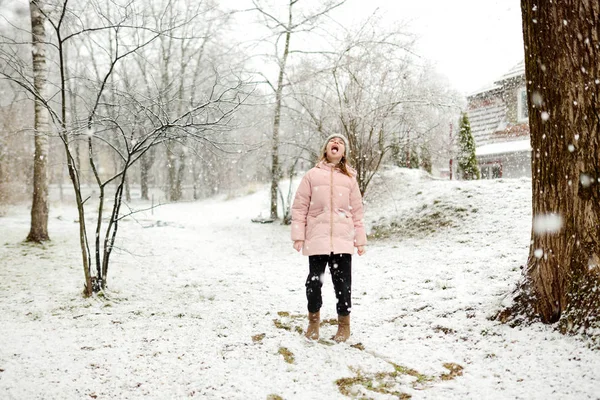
327, 225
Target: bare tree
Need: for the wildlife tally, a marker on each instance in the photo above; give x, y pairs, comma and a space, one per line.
283, 28
184, 61
38, 231
110, 122
376, 93
562, 64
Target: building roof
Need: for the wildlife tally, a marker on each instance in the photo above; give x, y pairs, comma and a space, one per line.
517, 70
484, 89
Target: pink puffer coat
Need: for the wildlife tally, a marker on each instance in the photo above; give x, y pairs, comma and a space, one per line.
327, 212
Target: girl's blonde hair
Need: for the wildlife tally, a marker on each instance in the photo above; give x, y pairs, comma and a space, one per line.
342, 165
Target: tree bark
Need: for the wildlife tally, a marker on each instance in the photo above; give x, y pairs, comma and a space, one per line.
275, 167
39, 209
174, 182
144, 169
562, 64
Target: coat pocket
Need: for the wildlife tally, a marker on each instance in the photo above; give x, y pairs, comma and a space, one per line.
311, 222
343, 213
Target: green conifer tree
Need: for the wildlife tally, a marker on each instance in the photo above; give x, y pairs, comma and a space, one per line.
467, 161
399, 154
426, 163
414, 157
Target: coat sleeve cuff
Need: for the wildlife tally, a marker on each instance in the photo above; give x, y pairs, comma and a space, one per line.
360, 238
298, 231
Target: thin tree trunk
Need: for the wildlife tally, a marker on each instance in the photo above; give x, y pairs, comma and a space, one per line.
275, 167
74, 172
181, 172
127, 190
196, 178
562, 68
174, 183
144, 169
39, 209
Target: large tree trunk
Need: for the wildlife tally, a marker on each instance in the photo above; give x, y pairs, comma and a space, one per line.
39, 209
562, 69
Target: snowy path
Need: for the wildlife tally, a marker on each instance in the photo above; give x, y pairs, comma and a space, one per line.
197, 281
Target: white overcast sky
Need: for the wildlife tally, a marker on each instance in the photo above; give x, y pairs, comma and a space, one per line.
472, 42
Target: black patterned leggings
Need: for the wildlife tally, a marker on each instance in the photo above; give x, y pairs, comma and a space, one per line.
340, 267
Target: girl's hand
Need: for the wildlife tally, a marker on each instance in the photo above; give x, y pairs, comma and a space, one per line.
298, 244
361, 250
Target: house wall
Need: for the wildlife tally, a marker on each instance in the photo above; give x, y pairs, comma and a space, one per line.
512, 165
485, 113
494, 115
517, 165
510, 95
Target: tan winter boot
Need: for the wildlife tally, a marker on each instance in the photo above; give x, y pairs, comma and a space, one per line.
314, 320
343, 332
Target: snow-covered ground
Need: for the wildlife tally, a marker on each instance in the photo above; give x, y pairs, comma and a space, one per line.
205, 304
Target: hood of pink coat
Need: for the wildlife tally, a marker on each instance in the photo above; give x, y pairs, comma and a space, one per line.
328, 166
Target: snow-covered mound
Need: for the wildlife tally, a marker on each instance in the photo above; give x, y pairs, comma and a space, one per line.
410, 203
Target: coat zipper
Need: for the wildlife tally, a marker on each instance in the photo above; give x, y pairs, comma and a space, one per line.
331, 213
